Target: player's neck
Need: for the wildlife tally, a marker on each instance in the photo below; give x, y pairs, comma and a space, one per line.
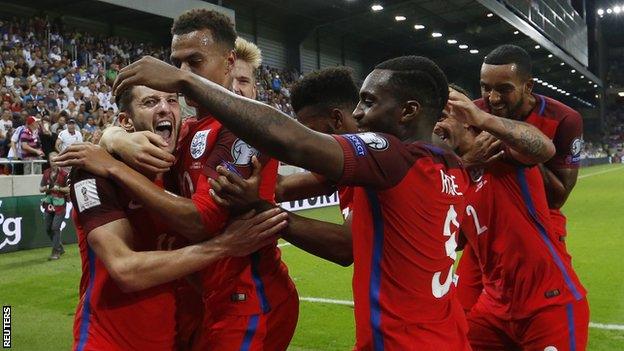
526, 108
203, 113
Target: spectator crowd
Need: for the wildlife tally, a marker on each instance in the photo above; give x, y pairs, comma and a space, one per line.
55, 85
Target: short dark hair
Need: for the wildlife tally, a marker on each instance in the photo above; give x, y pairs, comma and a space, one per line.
327, 88
418, 78
197, 19
511, 54
124, 100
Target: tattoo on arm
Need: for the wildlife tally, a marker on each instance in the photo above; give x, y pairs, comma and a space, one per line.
521, 136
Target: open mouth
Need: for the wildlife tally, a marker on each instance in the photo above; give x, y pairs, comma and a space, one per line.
164, 129
441, 132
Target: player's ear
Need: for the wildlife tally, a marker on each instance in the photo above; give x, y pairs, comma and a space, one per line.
528, 85
411, 110
125, 122
336, 118
230, 59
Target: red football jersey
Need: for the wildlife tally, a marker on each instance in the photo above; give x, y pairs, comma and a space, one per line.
106, 317
345, 197
525, 267
407, 207
564, 126
244, 285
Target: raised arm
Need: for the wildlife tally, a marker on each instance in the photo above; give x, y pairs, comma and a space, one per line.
137, 270
262, 126
180, 212
526, 143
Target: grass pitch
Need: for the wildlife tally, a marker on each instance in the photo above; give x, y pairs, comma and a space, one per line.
43, 294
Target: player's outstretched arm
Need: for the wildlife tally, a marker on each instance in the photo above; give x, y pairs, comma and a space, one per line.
301, 186
526, 143
181, 213
138, 270
326, 240
262, 126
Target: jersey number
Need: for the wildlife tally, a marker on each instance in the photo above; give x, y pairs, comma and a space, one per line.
473, 213
450, 245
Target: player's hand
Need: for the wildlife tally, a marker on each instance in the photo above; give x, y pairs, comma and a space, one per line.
250, 232
140, 150
87, 156
464, 110
151, 72
232, 191
485, 150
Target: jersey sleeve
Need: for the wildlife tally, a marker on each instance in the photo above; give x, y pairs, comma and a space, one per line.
373, 159
568, 142
95, 200
234, 154
212, 215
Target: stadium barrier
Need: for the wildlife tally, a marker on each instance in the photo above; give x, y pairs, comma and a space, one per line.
21, 222
588, 162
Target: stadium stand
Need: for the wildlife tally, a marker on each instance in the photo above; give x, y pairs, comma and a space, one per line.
55, 73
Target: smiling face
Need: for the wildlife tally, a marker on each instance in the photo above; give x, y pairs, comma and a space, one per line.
504, 89
154, 111
378, 110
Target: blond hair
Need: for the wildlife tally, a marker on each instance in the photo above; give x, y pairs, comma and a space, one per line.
248, 52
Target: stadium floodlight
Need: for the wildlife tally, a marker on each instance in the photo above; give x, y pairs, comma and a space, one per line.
567, 94
573, 71
490, 14
595, 85
562, 64
419, 26
463, 46
582, 77
537, 47
617, 9
544, 83
600, 12
436, 34
400, 18
516, 32
376, 7
474, 51
609, 11
621, 94
452, 41
550, 55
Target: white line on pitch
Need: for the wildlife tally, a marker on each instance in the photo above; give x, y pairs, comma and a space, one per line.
601, 172
284, 244
350, 303
330, 301
606, 326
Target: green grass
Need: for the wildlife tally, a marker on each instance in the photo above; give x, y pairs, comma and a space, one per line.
44, 294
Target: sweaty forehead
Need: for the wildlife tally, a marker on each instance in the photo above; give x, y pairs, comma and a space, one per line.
197, 41
496, 74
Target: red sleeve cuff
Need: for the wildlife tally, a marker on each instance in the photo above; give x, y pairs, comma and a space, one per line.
349, 166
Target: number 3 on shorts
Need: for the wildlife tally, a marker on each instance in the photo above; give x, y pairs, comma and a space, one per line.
439, 290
